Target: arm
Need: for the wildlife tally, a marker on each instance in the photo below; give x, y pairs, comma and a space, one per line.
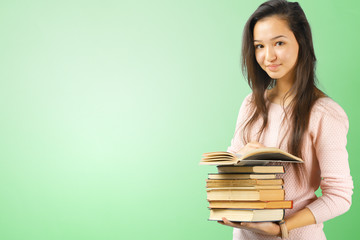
301, 218
329, 133
236, 142
329, 140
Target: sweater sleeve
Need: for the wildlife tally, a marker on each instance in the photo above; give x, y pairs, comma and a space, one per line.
329, 129
236, 142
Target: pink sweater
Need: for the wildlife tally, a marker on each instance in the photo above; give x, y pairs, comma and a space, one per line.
325, 163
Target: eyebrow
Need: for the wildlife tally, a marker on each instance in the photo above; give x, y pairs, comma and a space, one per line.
272, 38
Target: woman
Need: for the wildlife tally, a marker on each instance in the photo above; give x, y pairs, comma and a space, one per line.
287, 110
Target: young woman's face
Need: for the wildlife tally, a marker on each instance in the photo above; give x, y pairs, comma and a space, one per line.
276, 48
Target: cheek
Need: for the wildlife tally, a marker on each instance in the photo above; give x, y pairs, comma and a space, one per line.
286, 57
291, 59
259, 57
290, 56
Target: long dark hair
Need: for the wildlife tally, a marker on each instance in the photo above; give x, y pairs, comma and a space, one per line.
304, 88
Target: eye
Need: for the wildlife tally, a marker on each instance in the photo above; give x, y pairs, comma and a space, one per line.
258, 46
279, 43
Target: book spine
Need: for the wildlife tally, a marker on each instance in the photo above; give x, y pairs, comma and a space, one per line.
271, 195
245, 195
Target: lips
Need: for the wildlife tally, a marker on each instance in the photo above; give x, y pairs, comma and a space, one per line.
273, 67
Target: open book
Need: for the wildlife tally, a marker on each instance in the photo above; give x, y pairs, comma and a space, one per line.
260, 156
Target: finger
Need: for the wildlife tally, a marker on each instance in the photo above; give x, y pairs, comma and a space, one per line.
226, 221
249, 225
222, 223
231, 224
256, 145
250, 146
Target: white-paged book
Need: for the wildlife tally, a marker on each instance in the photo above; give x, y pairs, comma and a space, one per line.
260, 156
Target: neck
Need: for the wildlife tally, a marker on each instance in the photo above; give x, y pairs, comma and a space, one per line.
282, 88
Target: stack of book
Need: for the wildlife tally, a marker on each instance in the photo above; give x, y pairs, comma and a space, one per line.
246, 190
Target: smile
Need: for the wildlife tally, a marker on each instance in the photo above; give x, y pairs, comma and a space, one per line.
273, 67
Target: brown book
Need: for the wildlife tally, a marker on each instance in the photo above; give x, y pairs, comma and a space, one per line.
213, 183
214, 194
251, 204
240, 176
251, 169
251, 187
260, 156
241, 215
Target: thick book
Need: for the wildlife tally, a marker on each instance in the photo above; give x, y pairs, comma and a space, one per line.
240, 176
252, 204
214, 194
260, 156
213, 183
251, 169
251, 187
241, 215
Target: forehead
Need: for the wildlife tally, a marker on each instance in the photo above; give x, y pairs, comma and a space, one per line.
270, 27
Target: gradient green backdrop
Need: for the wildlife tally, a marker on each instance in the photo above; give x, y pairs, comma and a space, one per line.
107, 106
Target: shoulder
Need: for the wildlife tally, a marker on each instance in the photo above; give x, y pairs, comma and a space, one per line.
327, 111
245, 108
246, 103
248, 98
327, 107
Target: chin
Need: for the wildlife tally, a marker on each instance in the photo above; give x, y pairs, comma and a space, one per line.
275, 75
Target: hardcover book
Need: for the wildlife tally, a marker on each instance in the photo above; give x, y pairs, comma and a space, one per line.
213, 183
214, 194
252, 204
240, 176
242, 215
250, 169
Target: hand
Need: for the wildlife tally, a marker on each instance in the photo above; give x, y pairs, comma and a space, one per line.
266, 228
250, 146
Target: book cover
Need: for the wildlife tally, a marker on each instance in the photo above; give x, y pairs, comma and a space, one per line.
240, 176
242, 215
251, 169
245, 195
211, 183
252, 204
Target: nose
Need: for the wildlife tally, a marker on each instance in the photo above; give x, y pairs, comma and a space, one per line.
270, 54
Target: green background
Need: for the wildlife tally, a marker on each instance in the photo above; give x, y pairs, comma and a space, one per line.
107, 106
